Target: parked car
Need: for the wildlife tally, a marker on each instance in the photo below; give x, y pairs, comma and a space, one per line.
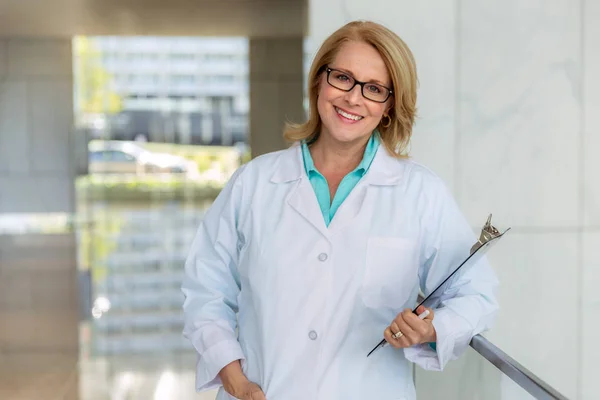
183, 128
117, 157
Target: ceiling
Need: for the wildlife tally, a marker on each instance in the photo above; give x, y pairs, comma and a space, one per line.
65, 18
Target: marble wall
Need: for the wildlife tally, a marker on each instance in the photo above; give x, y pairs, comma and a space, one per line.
38, 273
36, 120
589, 311
508, 118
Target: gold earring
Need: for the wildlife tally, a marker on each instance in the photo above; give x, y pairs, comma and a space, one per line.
389, 121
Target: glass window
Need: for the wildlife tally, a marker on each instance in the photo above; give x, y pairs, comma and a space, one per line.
183, 79
120, 156
96, 156
182, 56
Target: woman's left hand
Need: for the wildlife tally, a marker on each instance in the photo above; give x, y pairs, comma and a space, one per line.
414, 330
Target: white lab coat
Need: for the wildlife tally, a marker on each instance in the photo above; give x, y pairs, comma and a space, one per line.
311, 300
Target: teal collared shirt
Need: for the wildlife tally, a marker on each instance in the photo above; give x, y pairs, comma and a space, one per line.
319, 183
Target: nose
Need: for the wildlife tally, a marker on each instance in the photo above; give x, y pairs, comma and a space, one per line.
355, 95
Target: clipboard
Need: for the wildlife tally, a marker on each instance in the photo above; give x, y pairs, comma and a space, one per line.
487, 239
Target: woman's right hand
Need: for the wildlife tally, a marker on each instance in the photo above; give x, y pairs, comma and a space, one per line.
249, 391
236, 384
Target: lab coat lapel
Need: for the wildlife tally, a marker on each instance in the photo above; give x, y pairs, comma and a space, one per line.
289, 169
304, 200
349, 209
385, 170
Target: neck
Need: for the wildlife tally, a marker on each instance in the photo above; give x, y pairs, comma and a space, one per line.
333, 156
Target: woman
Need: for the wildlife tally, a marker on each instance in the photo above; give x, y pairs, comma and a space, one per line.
322, 248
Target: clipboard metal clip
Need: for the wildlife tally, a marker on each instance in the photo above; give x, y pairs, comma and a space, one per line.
488, 232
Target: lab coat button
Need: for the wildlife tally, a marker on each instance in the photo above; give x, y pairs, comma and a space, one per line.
322, 257
312, 335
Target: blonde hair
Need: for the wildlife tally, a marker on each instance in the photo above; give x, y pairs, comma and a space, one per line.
402, 69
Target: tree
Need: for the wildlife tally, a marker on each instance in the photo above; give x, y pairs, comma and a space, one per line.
94, 89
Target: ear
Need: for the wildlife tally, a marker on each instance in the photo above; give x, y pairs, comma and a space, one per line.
388, 108
321, 79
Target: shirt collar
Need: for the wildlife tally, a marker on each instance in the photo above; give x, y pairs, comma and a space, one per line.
363, 167
309, 165
385, 169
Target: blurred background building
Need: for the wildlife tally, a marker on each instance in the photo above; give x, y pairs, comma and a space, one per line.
176, 90
121, 120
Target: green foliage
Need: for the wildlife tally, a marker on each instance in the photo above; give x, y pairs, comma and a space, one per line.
95, 93
144, 188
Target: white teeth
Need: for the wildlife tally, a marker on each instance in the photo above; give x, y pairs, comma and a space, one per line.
349, 116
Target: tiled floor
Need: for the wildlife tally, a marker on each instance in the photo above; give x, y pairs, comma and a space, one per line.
39, 376
63, 377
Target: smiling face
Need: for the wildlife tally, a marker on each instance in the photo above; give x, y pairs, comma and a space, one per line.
348, 117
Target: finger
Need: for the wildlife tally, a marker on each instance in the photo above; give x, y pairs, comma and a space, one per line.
387, 335
402, 341
405, 327
412, 319
395, 328
398, 343
420, 327
258, 396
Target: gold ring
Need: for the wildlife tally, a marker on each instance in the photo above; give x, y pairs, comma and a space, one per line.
398, 335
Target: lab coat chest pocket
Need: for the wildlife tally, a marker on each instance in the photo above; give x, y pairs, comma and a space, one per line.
391, 271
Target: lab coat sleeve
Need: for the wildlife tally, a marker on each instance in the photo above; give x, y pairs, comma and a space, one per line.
211, 285
469, 305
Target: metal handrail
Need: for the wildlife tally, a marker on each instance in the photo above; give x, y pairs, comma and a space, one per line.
515, 371
511, 368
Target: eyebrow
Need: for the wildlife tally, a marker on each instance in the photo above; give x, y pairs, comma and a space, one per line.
351, 74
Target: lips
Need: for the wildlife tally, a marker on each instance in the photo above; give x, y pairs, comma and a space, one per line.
347, 115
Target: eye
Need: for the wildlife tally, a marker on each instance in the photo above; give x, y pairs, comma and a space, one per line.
375, 89
342, 77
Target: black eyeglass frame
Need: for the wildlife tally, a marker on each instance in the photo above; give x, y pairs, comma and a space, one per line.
359, 83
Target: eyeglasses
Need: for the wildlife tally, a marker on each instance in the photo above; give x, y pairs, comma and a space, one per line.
371, 91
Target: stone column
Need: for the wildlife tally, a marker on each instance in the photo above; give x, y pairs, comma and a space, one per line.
38, 272
276, 90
